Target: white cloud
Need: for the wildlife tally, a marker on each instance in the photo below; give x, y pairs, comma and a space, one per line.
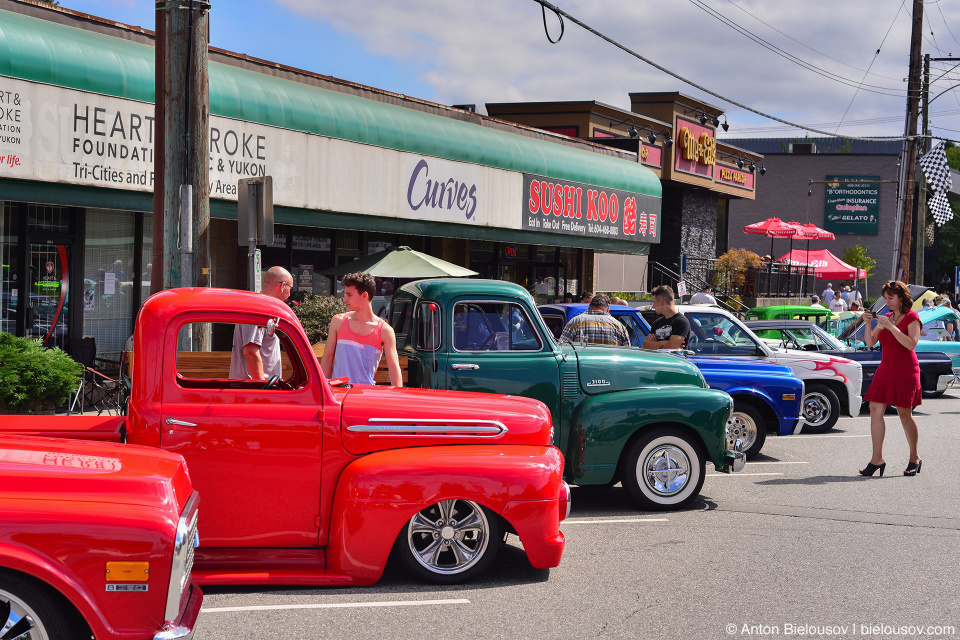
496, 51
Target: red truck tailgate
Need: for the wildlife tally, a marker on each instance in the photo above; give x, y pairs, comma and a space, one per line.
102, 428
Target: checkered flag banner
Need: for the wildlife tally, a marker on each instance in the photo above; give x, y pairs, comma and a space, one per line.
936, 170
940, 208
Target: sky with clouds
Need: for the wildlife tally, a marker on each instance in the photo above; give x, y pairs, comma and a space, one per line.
469, 51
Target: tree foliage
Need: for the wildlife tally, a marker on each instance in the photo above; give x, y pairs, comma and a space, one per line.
949, 249
732, 269
315, 314
856, 256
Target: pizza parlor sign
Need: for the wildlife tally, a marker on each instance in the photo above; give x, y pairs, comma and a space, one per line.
559, 206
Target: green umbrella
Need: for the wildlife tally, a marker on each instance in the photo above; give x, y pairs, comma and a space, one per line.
402, 262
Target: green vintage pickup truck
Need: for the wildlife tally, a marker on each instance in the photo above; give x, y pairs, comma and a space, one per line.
643, 418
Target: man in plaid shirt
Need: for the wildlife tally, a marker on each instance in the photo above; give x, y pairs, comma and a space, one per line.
596, 325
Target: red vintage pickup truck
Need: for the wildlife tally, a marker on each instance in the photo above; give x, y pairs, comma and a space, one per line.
307, 481
95, 539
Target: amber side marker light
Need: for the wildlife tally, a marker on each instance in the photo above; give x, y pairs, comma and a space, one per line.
789, 396
128, 571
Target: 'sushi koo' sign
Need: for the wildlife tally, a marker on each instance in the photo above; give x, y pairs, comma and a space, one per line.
558, 206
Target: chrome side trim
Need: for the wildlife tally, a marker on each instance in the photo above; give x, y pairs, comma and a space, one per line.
465, 428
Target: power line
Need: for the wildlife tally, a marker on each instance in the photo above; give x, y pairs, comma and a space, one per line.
862, 121
562, 13
944, 18
817, 51
792, 58
877, 54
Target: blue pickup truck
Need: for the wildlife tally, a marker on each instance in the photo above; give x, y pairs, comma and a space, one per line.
766, 396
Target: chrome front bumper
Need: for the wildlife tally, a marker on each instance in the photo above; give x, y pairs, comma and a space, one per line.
800, 422
945, 381
734, 460
183, 629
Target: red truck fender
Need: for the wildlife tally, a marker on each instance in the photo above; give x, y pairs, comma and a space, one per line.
378, 494
51, 573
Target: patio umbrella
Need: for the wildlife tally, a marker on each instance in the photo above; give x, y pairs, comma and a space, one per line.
808, 232
772, 228
402, 262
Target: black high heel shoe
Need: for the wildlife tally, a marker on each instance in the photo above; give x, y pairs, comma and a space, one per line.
913, 468
870, 468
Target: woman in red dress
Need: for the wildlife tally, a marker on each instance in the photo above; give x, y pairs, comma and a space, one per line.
897, 380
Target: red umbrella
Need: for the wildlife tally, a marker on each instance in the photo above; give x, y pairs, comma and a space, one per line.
772, 228
811, 231
808, 232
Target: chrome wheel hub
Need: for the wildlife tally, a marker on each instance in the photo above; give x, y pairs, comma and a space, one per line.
666, 469
816, 409
449, 537
741, 427
18, 621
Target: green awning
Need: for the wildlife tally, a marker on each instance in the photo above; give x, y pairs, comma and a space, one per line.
42, 51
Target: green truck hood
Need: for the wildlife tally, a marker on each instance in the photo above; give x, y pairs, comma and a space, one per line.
611, 369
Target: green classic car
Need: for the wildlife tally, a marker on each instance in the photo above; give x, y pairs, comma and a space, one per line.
643, 418
816, 315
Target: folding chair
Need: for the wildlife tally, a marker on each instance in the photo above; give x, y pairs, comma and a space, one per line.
96, 389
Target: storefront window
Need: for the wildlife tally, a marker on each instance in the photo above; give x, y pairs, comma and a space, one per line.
483, 258
9, 259
109, 279
312, 255
44, 219
570, 266
146, 257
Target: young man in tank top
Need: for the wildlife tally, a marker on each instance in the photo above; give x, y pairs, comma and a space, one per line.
359, 338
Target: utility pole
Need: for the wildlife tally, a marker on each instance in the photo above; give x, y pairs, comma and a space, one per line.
181, 245
922, 199
909, 145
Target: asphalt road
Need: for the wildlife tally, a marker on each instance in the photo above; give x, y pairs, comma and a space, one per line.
795, 546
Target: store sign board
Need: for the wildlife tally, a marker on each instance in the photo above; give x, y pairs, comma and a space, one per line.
60, 135
443, 190
852, 206
651, 155
572, 208
695, 148
734, 177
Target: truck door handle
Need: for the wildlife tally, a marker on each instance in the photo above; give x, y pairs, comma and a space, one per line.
460, 367
179, 423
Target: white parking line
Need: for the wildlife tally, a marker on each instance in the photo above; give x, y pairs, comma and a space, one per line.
335, 605
619, 521
827, 435
740, 475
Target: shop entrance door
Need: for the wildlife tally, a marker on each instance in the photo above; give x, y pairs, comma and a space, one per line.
47, 305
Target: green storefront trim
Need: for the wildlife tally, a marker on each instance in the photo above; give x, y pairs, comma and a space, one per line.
69, 195
40, 51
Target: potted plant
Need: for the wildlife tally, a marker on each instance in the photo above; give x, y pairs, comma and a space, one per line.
34, 379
